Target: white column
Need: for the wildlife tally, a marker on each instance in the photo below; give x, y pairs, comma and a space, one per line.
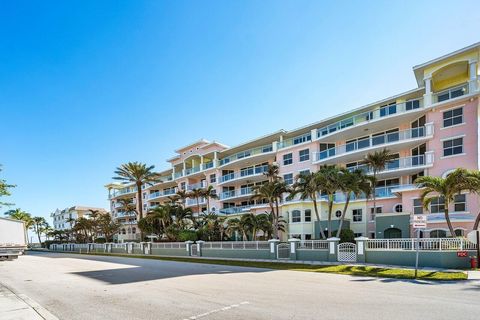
427, 97
184, 167
201, 162
473, 82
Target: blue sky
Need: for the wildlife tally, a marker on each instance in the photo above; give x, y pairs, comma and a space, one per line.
88, 85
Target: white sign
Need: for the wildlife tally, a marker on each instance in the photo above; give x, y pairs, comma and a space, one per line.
420, 221
472, 236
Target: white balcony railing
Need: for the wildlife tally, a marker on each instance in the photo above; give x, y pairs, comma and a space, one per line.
162, 193
246, 191
198, 185
373, 141
247, 153
233, 210
128, 190
252, 171
295, 140
451, 93
368, 116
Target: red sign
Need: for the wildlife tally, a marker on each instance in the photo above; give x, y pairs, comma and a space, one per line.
462, 254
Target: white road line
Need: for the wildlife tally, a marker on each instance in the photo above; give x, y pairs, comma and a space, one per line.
202, 315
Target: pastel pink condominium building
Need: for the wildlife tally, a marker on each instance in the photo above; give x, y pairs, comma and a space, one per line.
431, 129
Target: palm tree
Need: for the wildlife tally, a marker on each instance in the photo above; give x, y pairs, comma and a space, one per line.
196, 194
234, 225
354, 184
474, 182
163, 215
377, 162
210, 193
138, 174
182, 195
446, 188
329, 181
254, 223
19, 214
308, 186
38, 225
272, 172
271, 191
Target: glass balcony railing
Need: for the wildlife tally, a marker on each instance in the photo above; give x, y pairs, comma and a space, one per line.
233, 210
162, 193
247, 153
124, 191
377, 140
244, 173
397, 164
246, 191
365, 117
189, 171
295, 140
380, 192
178, 174
198, 185
451, 93
193, 202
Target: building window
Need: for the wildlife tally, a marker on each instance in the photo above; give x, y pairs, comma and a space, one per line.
287, 159
398, 208
288, 178
213, 178
304, 172
357, 215
308, 236
296, 216
308, 215
304, 155
183, 185
303, 138
412, 104
373, 214
134, 230
459, 233
338, 213
437, 205
452, 147
460, 203
452, 117
438, 234
358, 235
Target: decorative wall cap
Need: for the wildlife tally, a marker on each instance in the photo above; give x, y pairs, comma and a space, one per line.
333, 239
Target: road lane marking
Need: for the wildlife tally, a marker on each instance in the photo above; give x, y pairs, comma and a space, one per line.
202, 315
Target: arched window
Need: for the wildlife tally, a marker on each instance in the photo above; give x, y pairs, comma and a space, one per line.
123, 231
398, 207
459, 232
134, 230
392, 233
129, 230
296, 216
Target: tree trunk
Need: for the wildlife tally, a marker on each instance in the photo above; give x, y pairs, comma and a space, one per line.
340, 225
208, 204
477, 222
330, 208
38, 234
140, 206
315, 207
374, 192
276, 218
447, 218
273, 217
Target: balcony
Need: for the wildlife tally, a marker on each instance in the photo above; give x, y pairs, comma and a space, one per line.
125, 214
235, 210
125, 191
159, 194
260, 154
451, 93
252, 173
193, 202
233, 194
199, 185
389, 116
380, 192
295, 140
400, 166
394, 141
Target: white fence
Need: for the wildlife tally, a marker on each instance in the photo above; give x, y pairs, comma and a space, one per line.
240, 245
168, 245
426, 244
313, 245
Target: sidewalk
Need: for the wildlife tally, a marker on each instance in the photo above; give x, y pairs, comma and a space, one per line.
20, 307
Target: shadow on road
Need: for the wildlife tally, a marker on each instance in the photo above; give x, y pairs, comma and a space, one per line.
138, 270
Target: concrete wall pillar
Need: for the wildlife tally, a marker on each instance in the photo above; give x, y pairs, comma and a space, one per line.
273, 248
200, 247
428, 96
473, 81
333, 249
361, 245
293, 248
188, 247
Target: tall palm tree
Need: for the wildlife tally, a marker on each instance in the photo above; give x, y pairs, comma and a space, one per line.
272, 192
474, 182
446, 188
163, 215
210, 193
308, 186
182, 197
377, 162
254, 223
196, 194
19, 214
272, 172
329, 180
234, 226
138, 174
354, 184
38, 225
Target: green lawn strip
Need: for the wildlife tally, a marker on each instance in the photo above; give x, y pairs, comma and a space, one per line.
367, 271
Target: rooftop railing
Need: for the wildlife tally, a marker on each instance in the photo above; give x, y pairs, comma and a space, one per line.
247, 153
295, 140
368, 116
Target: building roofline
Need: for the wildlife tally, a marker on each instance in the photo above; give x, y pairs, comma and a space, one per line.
192, 144
448, 55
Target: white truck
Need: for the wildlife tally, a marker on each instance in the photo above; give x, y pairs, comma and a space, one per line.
13, 238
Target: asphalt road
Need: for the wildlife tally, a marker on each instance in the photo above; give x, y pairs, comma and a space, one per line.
97, 287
